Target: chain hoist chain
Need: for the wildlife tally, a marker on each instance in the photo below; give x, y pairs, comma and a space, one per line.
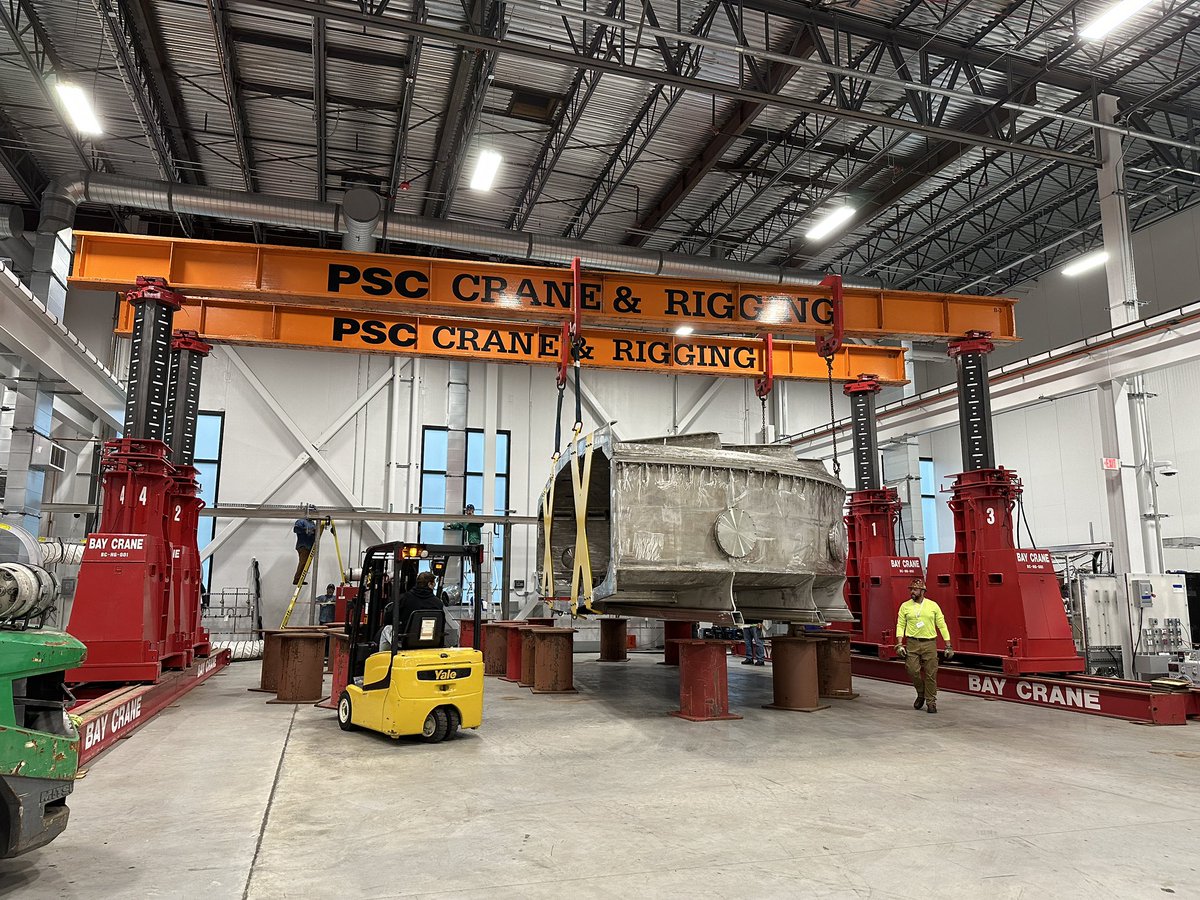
764, 419
837, 466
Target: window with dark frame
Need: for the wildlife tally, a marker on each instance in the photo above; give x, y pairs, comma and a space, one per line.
929, 522
210, 431
434, 472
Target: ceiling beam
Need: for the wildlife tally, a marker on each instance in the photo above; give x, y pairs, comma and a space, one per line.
298, 92
524, 50
911, 39
33, 45
20, 163
914, 235
472, 76
568, 116
400, 137
227, 55
298, 45
318, 95
937, 159
776, 76
147, 95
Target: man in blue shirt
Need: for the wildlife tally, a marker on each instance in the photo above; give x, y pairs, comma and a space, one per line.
306, 536
327, 605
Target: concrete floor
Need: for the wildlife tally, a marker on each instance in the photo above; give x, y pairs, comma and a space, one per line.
601, 794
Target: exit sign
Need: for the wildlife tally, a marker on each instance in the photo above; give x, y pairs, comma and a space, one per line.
1110, 464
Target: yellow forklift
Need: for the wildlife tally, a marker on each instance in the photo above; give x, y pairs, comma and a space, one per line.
417, 687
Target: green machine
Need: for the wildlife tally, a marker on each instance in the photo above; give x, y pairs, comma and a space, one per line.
39, 744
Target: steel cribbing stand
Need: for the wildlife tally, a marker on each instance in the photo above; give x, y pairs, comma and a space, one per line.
1001, 603
188, 639
877, 580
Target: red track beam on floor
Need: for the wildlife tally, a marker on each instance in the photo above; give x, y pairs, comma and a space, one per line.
119, 713
1130, 700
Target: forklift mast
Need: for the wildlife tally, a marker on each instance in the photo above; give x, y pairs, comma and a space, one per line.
388, 572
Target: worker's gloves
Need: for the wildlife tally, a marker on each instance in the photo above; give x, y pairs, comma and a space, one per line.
949, 654
901, 651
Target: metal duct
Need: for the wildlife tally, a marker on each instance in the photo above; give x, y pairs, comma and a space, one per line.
62, 198
361, 209
12, 222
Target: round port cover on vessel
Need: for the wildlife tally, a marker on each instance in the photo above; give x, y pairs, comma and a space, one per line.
735, 532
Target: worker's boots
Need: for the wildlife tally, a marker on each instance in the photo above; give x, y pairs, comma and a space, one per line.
931, 708
919, 702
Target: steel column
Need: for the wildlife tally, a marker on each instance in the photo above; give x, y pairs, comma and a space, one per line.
1137, 539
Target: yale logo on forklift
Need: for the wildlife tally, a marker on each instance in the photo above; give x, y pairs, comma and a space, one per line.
442, 674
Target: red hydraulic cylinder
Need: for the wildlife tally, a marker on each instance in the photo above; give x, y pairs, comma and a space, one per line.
1001, 602
877, 580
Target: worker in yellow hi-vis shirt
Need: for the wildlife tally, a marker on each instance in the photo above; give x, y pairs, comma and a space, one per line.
918, 624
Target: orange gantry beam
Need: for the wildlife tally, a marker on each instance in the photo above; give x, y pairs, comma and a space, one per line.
400, 285
291, 325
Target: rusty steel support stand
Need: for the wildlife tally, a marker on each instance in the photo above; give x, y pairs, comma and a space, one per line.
833, 667
495, 648
703, 680
528, 654
339, 666
614, 640
272, 658
554, 671
302, 667
272, 661
794, 675
513, 655
673, 632
466, 636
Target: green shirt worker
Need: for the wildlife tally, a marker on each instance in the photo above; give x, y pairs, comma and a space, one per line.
918, 624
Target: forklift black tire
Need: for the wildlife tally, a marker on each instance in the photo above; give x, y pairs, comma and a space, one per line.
455, 721
345, 713
437, 726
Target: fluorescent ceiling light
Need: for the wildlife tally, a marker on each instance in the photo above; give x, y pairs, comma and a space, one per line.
78, 107
1111, 18
486, 168
684, 330
834, 220
1084, 263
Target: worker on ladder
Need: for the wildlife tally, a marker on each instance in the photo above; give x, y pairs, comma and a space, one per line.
306, 535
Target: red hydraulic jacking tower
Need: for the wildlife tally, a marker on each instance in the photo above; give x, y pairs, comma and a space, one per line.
1001, 602
137, 603
877, 579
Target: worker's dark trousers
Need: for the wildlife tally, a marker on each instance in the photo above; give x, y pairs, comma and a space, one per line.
922, 654
303, 554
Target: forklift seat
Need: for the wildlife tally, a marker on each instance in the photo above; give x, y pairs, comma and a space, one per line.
426, 629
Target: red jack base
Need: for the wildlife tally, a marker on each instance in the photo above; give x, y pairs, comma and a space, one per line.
703, 681
117, 714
